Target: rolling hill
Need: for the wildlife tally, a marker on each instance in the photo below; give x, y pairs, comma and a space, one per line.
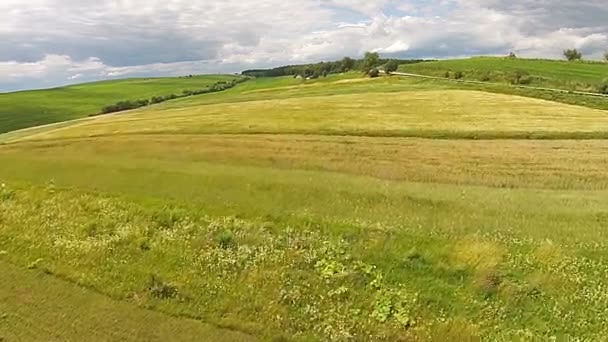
334, 209
583, 76
33, 108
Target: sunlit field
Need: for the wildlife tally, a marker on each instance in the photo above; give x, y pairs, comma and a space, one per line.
339, 209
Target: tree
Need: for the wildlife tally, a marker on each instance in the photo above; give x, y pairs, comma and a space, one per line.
347, 64
391, 66
512, 55
370, 61
606, 56
573, 55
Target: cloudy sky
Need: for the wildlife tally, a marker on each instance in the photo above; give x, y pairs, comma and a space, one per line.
47, 43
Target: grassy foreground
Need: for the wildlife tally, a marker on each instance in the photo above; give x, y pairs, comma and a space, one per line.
38, 307
32, 108
298, 212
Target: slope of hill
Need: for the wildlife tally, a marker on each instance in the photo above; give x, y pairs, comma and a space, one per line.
32, 108
337, 209
583, 76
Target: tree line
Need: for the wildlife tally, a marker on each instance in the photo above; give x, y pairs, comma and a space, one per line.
134, 104
575, 55
367, 64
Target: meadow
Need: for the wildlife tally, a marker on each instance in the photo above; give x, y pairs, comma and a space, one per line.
339, 209
581, 75
25, 109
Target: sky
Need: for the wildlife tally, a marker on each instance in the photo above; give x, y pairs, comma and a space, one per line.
46, 43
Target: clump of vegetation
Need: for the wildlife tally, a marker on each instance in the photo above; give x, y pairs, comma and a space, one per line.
167, 218
391, 66
520, 77
6, 193
602, 88
458, 75
488, 281
159, 289
226, 239
573, 55
134, 104
485, 77
124, 105
512, 55
159, 99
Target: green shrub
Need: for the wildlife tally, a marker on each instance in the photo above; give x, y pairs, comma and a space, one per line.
458, 75
167, 218
520, 77
225, 239
485, 77
602, 88
124, 105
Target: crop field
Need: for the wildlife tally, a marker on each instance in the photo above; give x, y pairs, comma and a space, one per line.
38, 107
582, 76
334, 210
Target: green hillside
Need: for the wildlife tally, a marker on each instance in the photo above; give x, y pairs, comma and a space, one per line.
32, 108
583, 76
344, 208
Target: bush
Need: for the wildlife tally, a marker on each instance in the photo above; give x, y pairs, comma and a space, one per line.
447, 74
391, 66
167, 218
125, 105
458, 75
602, 88
520, 77
485, 77
225, 239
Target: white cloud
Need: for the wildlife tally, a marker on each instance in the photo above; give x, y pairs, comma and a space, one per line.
49, 42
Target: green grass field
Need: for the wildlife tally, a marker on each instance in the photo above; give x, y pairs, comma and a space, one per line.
583, 76
31, 301
32, 108
339, 209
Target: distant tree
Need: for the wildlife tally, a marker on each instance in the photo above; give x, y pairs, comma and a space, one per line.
606, 56
373, 73
573, 55
347, 64
370, 61
512, 55
391, 66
